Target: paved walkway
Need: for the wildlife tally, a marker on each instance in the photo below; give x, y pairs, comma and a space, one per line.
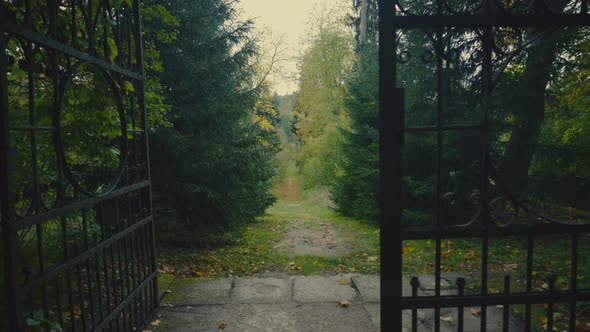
299, 303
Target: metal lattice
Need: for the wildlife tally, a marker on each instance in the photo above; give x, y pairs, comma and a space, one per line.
429, 39
77, 227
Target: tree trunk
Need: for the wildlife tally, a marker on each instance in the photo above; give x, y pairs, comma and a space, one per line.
364, 21
528, 108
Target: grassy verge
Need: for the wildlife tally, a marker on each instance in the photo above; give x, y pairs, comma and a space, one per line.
508, 256
253, 252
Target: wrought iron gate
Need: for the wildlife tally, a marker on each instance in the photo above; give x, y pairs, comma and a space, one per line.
454, 62
77, 229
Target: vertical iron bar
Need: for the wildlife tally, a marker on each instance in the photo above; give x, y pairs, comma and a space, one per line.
484, 280
460, 317
415, 283
74, 24
68, 272
7, 195
440, 50
484, 182
90, 30
98, 286
88, 266
105, 277
114, 278
60, 315
391, 102
506, 308
437, 280
529, 279
144, 118
574, 281
81, 297
137, 275
105, 33
129, 31
550, 305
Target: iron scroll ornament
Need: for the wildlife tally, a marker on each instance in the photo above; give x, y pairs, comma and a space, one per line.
59, 141
518, 205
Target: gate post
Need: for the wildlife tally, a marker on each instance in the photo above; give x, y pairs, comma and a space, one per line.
390, 141
6, 197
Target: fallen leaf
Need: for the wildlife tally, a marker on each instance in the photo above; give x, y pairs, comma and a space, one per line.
372, 258
221, 326
475, 312
156, 322
343, 282
344, 303
352, 269
446, 319
510, 266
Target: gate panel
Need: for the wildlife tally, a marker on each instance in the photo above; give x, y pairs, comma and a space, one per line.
467, 131
77, 226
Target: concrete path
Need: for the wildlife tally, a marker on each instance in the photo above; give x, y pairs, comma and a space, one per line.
300, 303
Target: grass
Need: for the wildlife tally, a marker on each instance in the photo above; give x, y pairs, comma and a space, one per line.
508, 256
250, 250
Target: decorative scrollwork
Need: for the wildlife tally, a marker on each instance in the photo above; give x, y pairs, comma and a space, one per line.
508, 41
404, 57
428, 56
93, 147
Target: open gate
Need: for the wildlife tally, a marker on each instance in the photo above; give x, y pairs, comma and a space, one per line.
463, 95
77, 230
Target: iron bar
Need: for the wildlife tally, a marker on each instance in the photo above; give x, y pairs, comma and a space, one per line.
76, 206
506, 306
574, 281
77, 260
491, 20
443, 127
452, 232
447, 301
460, 292
529, 278
48, 42
7, 195
391, 101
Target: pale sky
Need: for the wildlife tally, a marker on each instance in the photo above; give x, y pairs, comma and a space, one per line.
287, 18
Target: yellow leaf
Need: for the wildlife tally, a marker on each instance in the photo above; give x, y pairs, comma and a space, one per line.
221, 325
352, 269
446, 319
475, 312
343, 282
344, 303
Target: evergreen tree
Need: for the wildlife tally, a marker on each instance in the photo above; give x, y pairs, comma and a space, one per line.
213, 166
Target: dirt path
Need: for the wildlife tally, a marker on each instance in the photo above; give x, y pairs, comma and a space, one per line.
313, 237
